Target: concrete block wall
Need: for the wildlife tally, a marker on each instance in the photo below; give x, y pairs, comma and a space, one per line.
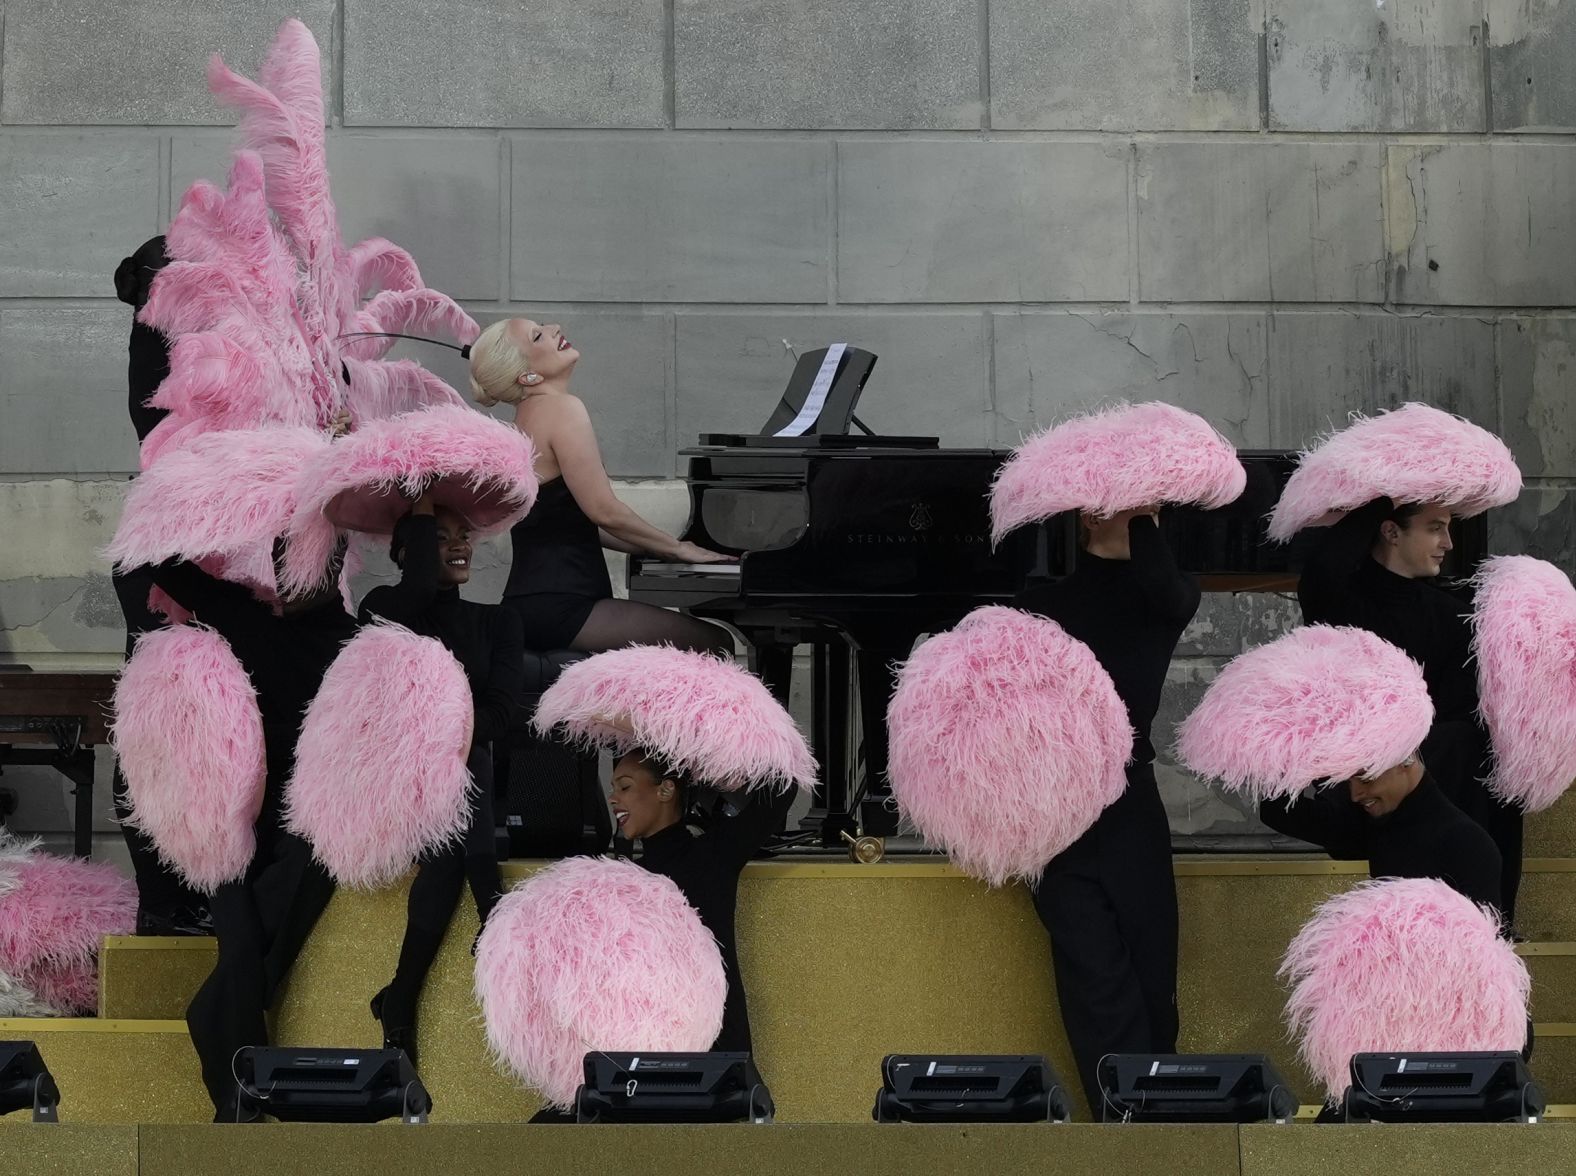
1270, 211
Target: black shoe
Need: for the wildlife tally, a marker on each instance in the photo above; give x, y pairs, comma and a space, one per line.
179, 922
239, 1109
402, 1037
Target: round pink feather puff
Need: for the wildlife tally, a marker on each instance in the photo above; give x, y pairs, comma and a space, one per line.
1415, 454
1321, 704
1008, 740
380, 773
189, 740
1398, 965
594, 954
475, 465
707, 717
1116, 459
1524, 618
54, 914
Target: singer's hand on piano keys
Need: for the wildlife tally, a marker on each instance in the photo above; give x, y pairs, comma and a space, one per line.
691, 553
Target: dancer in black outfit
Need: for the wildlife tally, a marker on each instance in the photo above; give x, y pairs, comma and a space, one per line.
1109, 900
432, 547
1373, 570
263, 920
559, 583
165, 904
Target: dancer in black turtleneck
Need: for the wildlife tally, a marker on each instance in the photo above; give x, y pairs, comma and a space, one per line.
433, 549
1109, 899
1376, 569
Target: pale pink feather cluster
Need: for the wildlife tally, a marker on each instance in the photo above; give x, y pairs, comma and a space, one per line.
189, 740
1118, 458
1414, 454
54, 914
380, 774
1321, 704
1524, 618
1401, 965
1008, 740
707, 717
594, 954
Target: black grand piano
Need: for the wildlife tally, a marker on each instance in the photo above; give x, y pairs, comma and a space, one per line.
857, 544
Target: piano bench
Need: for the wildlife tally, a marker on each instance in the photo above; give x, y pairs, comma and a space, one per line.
550, 792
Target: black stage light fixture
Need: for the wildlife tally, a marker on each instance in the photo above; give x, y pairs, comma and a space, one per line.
672, 1088
25, 1082
331, 1085
1193, 1088
969, 1088
1442, 1088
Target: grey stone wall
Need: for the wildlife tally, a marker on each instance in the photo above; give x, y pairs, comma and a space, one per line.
1270, 211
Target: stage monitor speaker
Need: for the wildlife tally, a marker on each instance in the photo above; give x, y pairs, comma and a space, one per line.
969, 1088
26, 1083
332, 1085
1442, 1088
672, 1088
1193, 1088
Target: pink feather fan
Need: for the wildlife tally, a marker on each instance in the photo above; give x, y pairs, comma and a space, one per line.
594, 954
1524, 618
380, 775
189, 741
1415, 454
1116, 459
707, 717
54, 914
1322, 703
480, 467
1400, 965
1008, 740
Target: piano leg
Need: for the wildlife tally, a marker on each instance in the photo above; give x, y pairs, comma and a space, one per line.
878, 815
772, 663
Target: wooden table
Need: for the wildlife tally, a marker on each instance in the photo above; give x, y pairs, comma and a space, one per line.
57, 720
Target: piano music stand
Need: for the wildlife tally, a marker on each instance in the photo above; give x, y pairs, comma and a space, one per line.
837, 411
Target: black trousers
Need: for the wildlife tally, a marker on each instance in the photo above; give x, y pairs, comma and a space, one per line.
1458, 756
1109, 902
261, 923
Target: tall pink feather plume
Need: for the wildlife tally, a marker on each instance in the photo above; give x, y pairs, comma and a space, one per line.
706, 717
419, 312
380, 774
1524, 618
1415, 454
1401, 966
389, 389
594, 954
1321, 704
189, 740
475, 465
1008, 740
1116, 459
54, 913
377, 264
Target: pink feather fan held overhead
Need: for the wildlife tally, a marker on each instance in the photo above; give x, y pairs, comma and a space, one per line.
1323, 703
1398, 965
1116, 459
1008, 740
1524, 618
189, 740
1415, 454
594, 954
706, 717
380, 773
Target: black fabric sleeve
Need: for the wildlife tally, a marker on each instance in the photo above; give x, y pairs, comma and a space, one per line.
1170, 592
498, 700
1327, 819
1324, 589
736, 838
417, 590
211, 600
1476, 868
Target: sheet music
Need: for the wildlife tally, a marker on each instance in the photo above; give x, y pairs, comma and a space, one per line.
816, 400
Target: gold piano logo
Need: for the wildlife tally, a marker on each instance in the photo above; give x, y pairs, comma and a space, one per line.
919, 519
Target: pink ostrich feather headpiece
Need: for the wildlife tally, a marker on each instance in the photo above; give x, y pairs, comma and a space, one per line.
380, 774
594, 954
707, 717
1415, 454
1008, 740
1401, 965
1321, 704
189, 740
1524, 618
1115, 459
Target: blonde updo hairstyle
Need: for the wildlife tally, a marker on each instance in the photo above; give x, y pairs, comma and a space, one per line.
496, 367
